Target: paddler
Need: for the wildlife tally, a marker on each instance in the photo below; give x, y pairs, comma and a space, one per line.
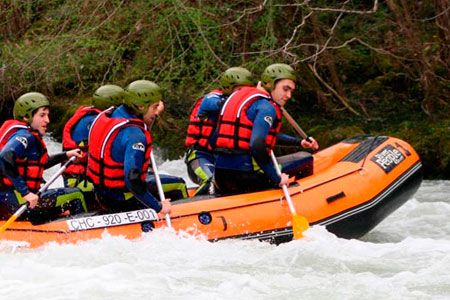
200, 137
247, 130
75, 135
119, 150
23, 158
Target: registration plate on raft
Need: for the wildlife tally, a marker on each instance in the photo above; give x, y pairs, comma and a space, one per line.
117, 219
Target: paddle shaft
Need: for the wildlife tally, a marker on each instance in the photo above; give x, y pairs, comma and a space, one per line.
299, 223
294, 124
24, 207
56, 175
159, 186
284, 187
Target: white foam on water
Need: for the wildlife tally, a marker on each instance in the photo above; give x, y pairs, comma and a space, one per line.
407, 256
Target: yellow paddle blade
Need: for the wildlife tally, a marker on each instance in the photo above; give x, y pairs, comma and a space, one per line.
6, 225
299, 224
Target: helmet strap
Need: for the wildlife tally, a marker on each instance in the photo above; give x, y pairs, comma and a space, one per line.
268, 86
133, 110
27, 119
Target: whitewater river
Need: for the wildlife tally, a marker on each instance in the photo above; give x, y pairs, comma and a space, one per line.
407, 256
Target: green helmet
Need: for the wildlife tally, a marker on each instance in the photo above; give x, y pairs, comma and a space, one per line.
142, 93
276, 72
108, 95
27, 104
235, 76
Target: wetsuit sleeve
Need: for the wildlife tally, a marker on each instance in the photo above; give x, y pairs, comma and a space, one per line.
79, 134
16, 147
265, 114
55, 159
80, 131
210, 106
287, 140
133, 163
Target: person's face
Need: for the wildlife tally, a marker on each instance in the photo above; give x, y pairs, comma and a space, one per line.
153, 112
282, 91
41, 120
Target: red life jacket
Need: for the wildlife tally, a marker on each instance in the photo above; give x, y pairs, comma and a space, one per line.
30, 170
199, 131
101, 168
79, 166
234, 126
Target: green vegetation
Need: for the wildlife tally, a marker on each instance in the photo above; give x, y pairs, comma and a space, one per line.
365, 67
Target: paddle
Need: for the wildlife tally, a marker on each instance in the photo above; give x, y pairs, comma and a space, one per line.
159, 185
294, 124
24, 207
206, 185
299, 223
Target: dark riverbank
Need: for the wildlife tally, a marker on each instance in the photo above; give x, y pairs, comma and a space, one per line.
364, 67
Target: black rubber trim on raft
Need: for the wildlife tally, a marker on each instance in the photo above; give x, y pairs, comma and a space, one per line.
364, 218
364, 148
387, 191
359, 220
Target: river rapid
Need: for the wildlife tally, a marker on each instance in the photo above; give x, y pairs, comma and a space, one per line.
407, 256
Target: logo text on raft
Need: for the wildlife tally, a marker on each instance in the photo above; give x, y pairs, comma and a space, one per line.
388, 158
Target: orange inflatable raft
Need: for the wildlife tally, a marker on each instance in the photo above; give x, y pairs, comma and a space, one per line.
355, 185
